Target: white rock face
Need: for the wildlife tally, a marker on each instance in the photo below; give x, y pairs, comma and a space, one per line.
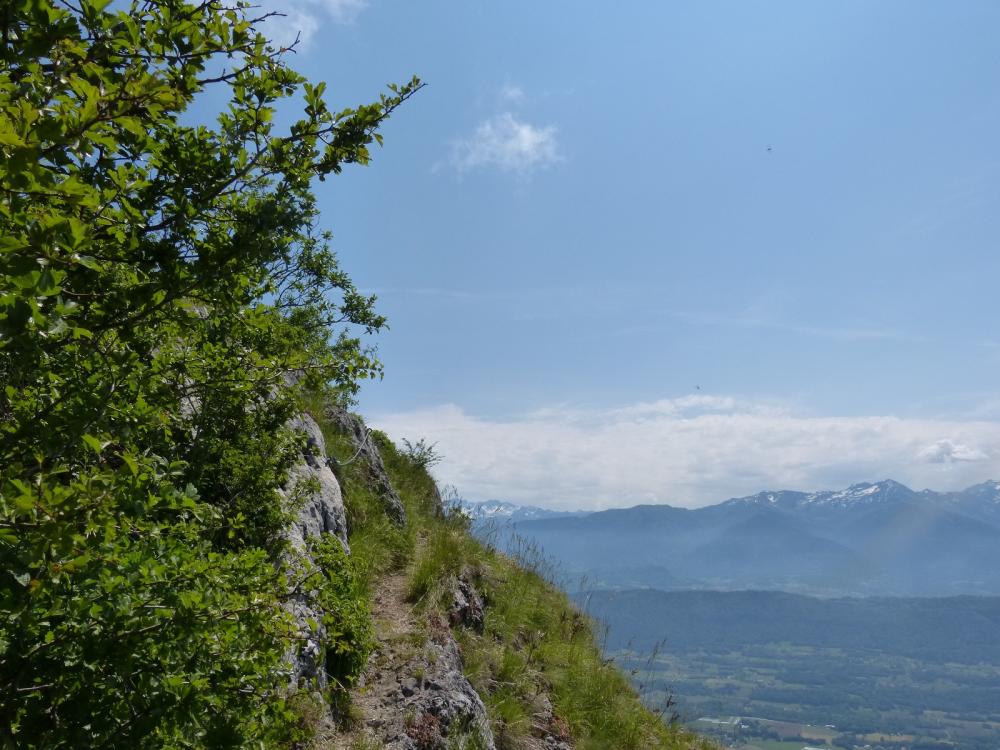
313, 490
322, 510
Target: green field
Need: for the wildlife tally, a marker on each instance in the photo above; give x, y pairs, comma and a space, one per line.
795, 692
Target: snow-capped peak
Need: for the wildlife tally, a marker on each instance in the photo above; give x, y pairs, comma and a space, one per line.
502, 511
861, 493
492, 508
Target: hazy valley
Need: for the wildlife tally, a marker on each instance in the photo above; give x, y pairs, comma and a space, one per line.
783, 620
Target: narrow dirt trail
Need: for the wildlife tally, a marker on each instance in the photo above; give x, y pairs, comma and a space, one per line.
393, 615
378, 698
413, 694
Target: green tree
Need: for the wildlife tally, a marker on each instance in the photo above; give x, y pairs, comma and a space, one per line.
161, 280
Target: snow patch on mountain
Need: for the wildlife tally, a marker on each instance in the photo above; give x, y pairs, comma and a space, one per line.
863, 493
500, 511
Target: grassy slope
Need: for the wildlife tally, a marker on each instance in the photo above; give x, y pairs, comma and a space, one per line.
534, 642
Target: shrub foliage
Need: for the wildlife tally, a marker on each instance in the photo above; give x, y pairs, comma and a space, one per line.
160, 280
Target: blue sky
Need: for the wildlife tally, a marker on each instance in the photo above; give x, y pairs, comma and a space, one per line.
677, 251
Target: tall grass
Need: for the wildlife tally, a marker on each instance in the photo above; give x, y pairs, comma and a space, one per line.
536, 640
447, 549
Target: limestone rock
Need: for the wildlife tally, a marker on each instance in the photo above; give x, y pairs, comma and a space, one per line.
439, 710
314, 494
314, 488
467, 605
414, 694
366, 452
412, 697
552, 732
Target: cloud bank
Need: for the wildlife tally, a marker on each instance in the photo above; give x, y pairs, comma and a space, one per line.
506, 143
690, 452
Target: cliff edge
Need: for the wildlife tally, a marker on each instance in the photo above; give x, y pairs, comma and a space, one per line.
467, 649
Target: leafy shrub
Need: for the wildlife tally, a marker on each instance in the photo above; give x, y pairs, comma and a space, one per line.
347, 617
158, 283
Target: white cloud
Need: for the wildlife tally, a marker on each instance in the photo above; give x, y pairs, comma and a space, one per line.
691, 451
303, 18
947, 452
512, 93
508, 144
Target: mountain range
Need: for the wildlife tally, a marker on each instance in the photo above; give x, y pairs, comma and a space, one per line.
869, 539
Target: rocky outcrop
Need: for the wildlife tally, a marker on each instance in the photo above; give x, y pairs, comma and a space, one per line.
313, 490
416, 697
313, 494
551, 732
468, 610
367, 453
440, 708
413, 694
467, 607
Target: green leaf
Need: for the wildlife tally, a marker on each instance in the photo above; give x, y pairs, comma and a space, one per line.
78, 231
24, 503
8, 137
48, 282
87, 262
12, 244
131, 463
93, 443
97, 6
78, 561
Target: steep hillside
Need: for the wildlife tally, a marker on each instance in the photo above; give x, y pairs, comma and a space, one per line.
182, 564
471, 648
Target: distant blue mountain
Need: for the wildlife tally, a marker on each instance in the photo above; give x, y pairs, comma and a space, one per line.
869, 539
